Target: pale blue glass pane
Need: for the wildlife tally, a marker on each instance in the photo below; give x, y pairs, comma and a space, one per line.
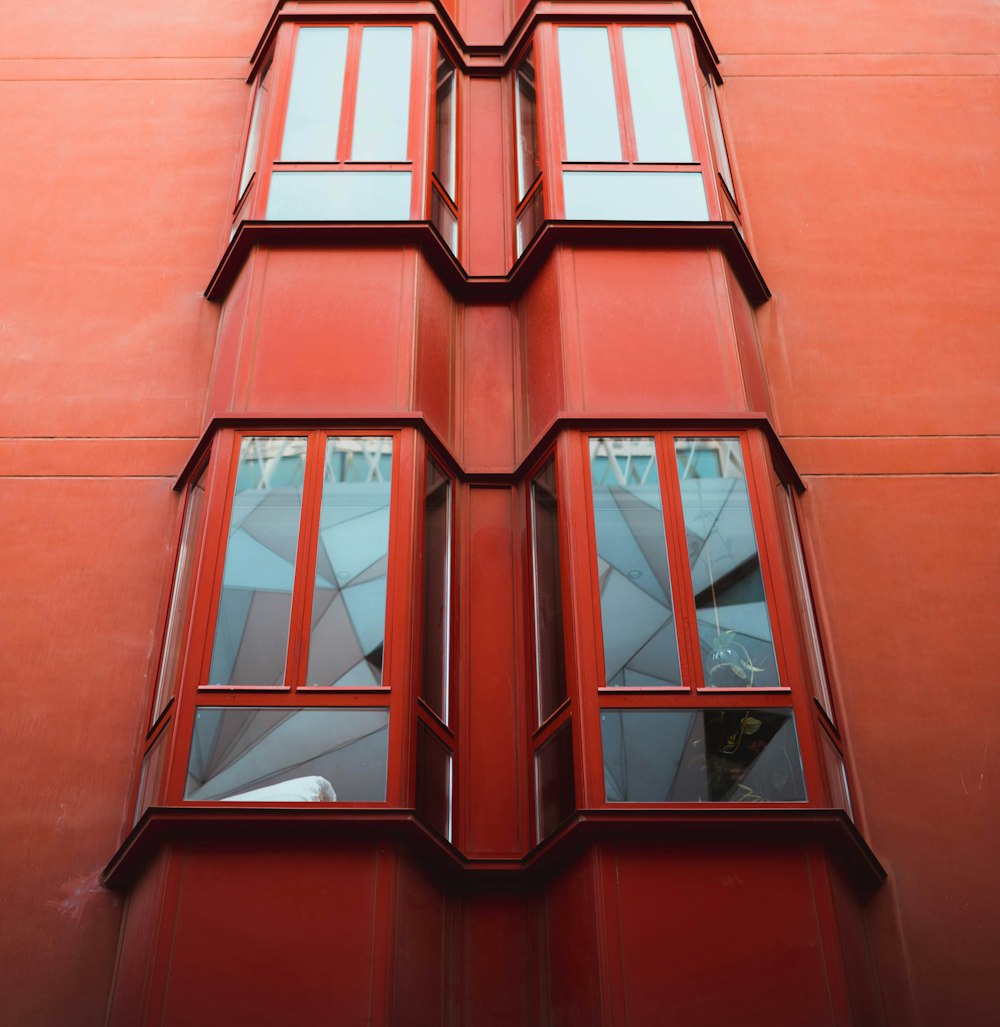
590, 117
637, 615
312, 121
276, 754
349, 594
733, 624
382, 113
634, 196
251, 632
339, 196
701, 756
661, 132
253, 139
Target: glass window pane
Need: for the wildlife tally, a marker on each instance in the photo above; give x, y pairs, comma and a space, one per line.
654, 85
444, 137
251, 633
339, 196
352, 558
634, 196
530, 220
550, 665
555, 794
733, 624
382, 112
433, 795
180, 600
276, 754
312, 120
444, 221
528, 166
701, 756
437, 571
149, 777
253, 139
637, 610
590, 115
836, 774
715, 125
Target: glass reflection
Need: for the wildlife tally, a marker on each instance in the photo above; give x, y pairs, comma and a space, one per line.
550, 660
339, 196
701, 756
382, 111
251, 632
529, 221
437, 569
253, 138
590, 115
734, 629
444, 137
528, 165
654, 85
348, 610
444, 221
637, 614
312, 121
253, 754
634, 196
554, 788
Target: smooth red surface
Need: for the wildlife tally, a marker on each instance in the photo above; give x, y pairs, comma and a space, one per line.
866, 175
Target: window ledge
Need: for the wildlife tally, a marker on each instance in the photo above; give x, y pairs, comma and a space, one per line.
721, 235
727, 827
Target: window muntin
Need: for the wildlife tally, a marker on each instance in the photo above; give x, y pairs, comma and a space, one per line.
701, 755
281, 754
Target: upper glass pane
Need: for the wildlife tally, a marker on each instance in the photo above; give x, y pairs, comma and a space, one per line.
437, 575
654, 85
277, 754
312, 120
251, 632
637, 611
528, 166
734, 629
634, 196
550, 659
590, 114
444, 136
701, 756
352, 558
715, 124
382, 112
253, 139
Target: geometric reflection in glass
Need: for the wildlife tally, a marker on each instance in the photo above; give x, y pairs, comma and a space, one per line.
251, 633
637, 616
276, 754
733, 624
701, 756
352, 557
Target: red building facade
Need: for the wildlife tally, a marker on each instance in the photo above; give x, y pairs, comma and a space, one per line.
500, 598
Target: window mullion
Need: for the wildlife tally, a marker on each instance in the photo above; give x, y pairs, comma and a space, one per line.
345, 137
297, 658
685, 616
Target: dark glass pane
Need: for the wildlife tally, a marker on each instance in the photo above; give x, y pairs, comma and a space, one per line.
528, 166
554, 788
256, 121
433, 798
339, 196
654, 85
530, 220
549, 656
382, 111
590, 115
252, 754
733, 625
444, 137
437, 570
637, 612
312, 120
701, 756
180, 599
251, 633
348, 612
836, 774
149, 777
444, 221
634, 196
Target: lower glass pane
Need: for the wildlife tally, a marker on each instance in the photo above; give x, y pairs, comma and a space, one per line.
444, 221
339, 196
555, 794
433, 797
149, 778
274, 754
701, 756
634, 196
530, 220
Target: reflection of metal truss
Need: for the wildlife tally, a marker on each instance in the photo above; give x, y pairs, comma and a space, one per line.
727, 452
631, 461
